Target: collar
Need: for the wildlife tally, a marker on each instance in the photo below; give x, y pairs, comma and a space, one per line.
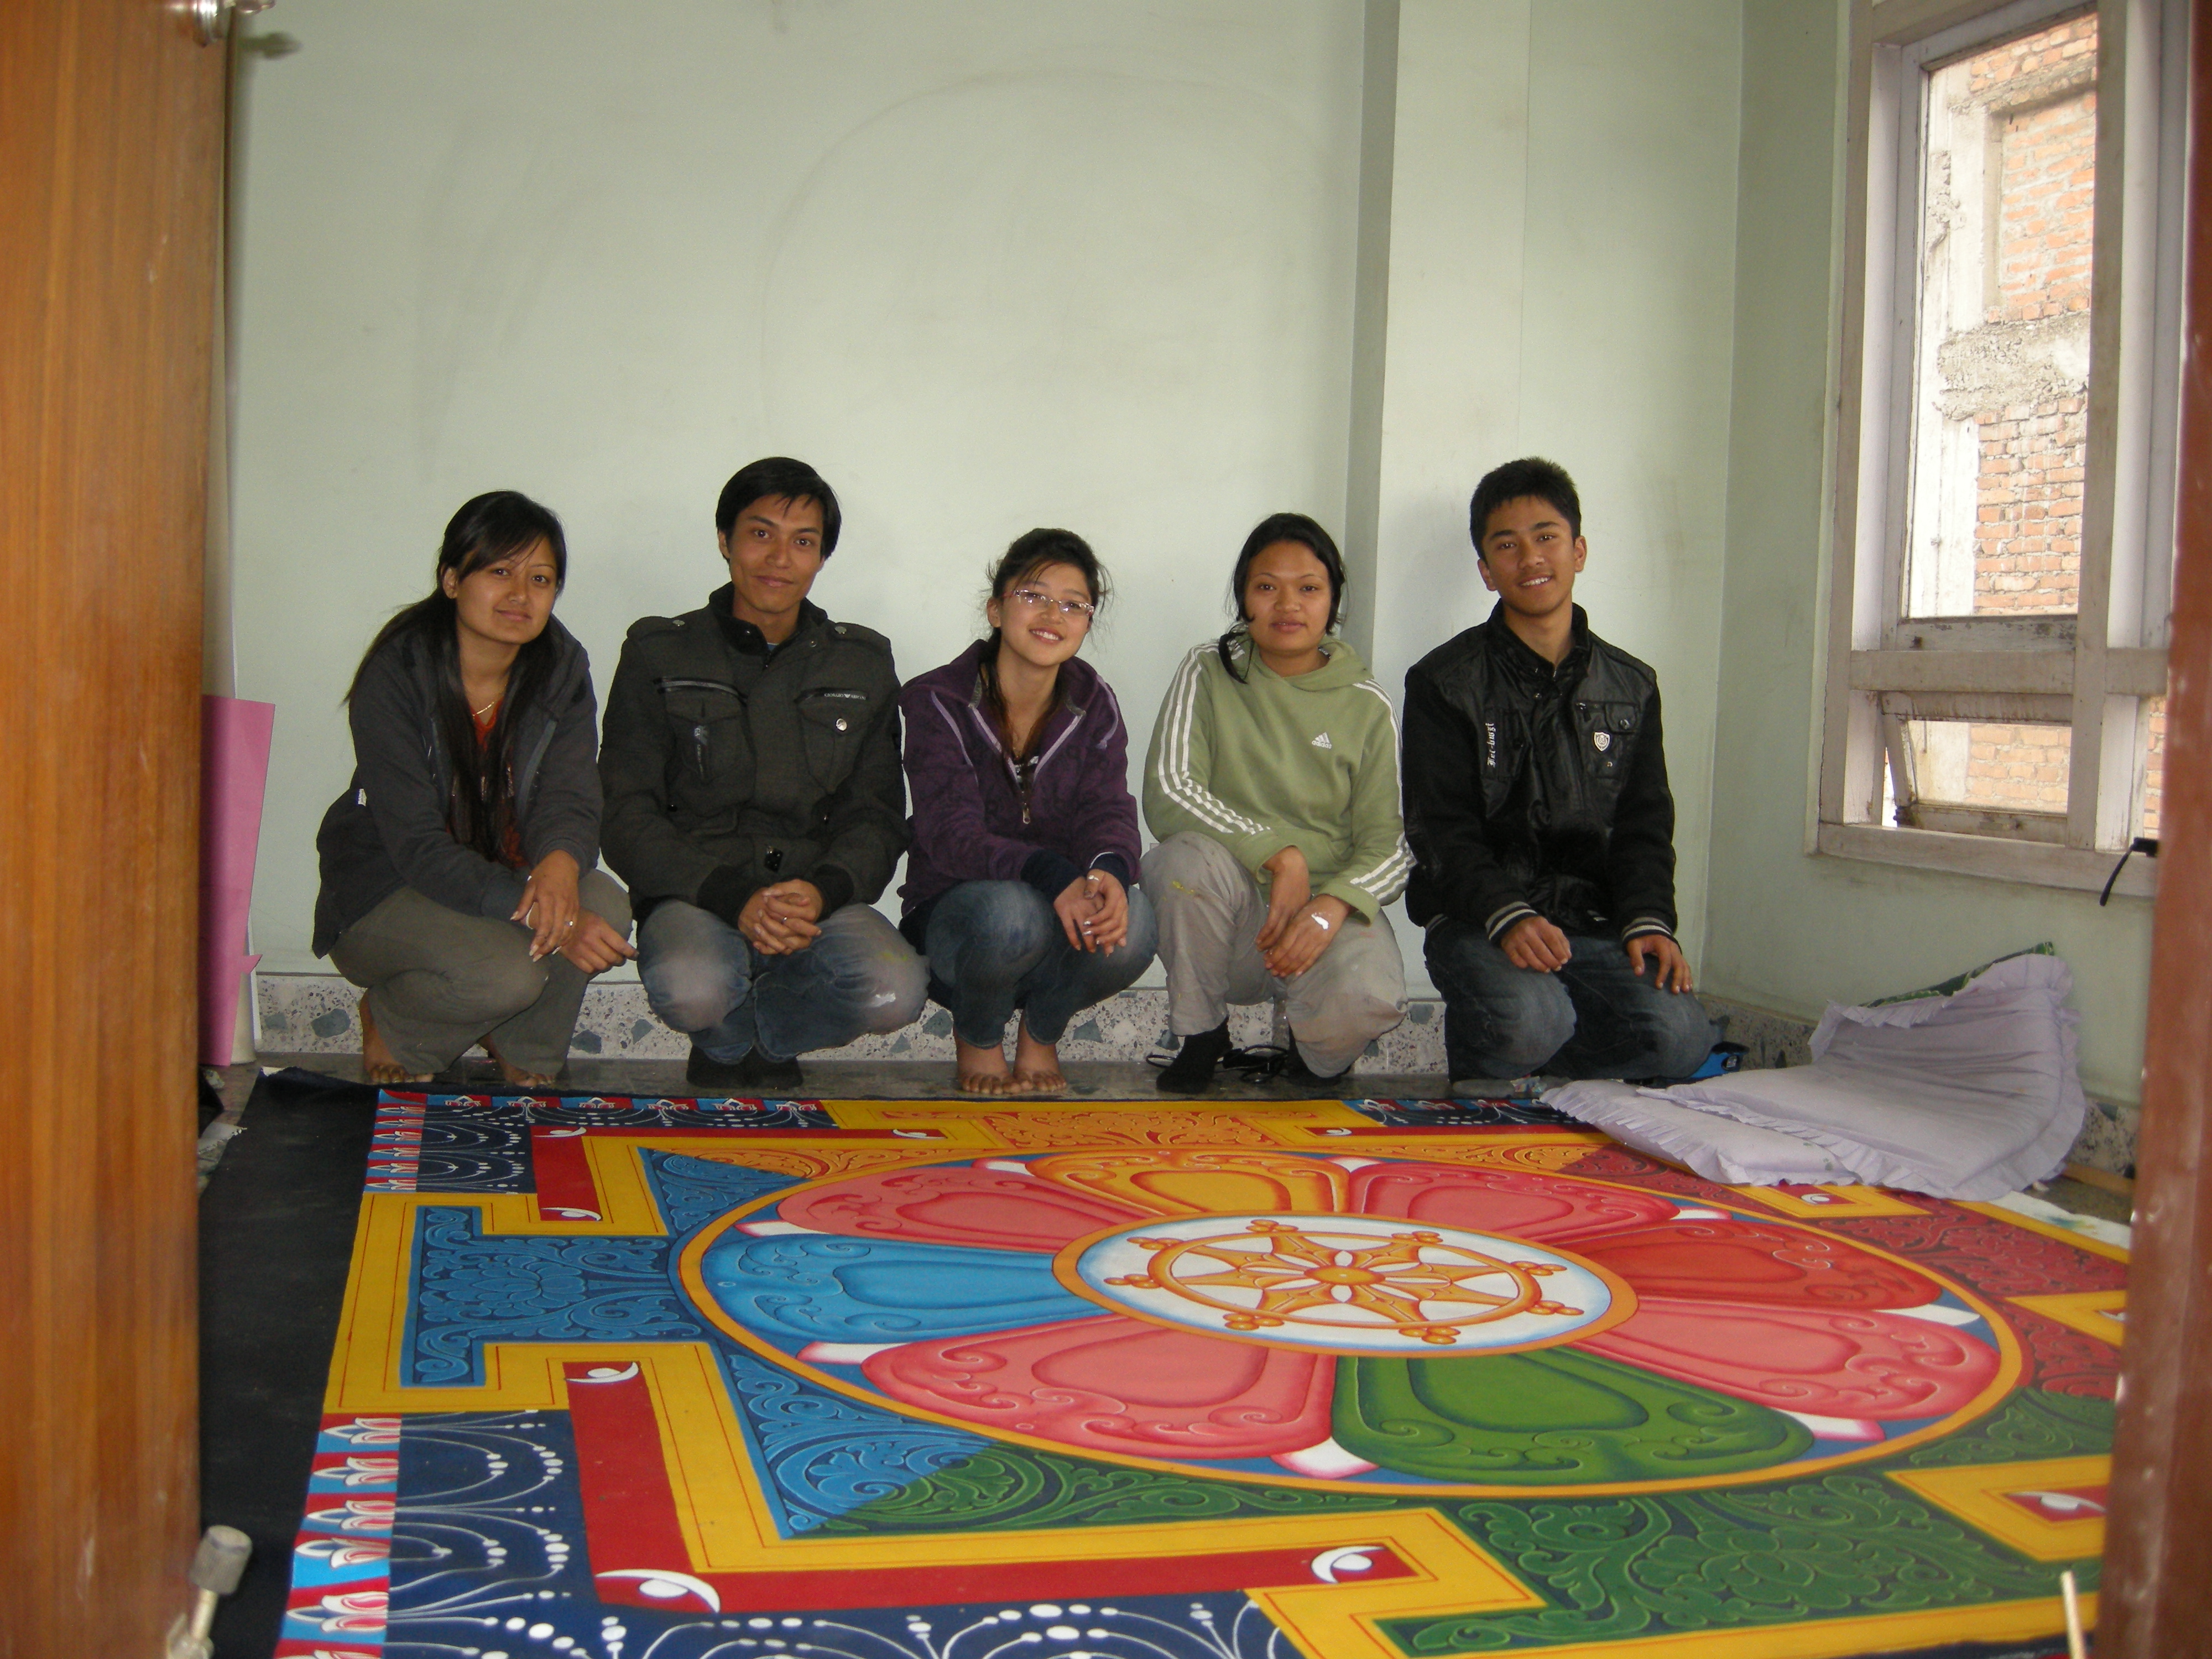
1516, 652
743, 636
1071, 706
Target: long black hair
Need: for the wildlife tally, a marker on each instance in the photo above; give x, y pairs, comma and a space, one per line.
1030, 555
503, 524
1278, 527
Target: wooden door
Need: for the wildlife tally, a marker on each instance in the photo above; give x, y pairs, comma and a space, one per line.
111, 144
2156, 1602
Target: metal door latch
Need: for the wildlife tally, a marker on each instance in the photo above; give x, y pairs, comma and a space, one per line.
212, 19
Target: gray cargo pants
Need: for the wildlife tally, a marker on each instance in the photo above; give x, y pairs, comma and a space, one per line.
1211, 910
438, 980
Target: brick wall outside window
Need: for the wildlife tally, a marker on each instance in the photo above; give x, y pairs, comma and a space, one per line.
2028, 553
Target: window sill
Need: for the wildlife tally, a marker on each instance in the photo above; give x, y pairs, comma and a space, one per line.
2028, 863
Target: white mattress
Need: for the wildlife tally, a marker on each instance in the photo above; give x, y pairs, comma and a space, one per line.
1971, 1095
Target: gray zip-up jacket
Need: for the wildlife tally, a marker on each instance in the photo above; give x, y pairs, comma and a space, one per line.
390, 830
728, 767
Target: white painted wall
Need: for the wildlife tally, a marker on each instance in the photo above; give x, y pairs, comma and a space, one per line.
1562, 284
988, 265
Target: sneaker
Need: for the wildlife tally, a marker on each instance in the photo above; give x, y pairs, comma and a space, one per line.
1191, 1071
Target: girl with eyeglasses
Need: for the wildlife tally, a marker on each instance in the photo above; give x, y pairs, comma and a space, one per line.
1272, 785
1021, 882
460, 888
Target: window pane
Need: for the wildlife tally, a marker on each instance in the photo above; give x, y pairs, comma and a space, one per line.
2000, 767
2154, 731
2002, 361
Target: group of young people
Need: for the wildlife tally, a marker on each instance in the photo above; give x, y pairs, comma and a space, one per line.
751, 785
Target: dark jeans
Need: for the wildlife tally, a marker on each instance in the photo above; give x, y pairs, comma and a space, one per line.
995, 947
703, 978
1594, 1017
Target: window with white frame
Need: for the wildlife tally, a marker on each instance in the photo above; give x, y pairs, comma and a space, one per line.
2005, 495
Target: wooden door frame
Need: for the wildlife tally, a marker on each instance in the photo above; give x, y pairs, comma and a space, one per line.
2156, 1600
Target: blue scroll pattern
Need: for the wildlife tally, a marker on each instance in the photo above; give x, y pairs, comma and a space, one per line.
693, 1191
823, 1454
471, 1290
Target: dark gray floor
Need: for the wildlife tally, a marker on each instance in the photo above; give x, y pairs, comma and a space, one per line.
890, 1080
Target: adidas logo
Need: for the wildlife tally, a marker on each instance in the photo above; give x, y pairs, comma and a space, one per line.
1322, 742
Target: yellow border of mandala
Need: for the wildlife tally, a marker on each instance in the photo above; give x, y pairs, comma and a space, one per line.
2088, 1312
1975, 1493
728, 1527
2049, 1229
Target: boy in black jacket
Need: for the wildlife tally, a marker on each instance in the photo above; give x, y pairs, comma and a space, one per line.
1542, 828
755, 801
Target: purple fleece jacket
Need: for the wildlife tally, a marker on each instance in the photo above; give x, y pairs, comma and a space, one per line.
968, 822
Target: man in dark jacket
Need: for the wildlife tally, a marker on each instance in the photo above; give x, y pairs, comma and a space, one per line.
1542, 828
755, 803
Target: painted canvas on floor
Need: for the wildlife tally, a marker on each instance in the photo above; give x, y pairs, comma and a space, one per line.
629, 1379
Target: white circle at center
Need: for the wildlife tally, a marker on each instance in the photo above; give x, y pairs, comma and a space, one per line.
1346, 1284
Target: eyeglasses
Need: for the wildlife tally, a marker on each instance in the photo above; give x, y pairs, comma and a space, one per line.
1031, 600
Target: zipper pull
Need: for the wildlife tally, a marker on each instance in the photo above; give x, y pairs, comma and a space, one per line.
699, 750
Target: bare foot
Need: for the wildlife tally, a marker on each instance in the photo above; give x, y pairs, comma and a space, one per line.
514, 1073
1037, 1066
376, 1059
982, 1071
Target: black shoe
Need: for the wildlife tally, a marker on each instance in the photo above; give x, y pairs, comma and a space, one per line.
766, 1074
703, 1069
1192, 1069
1297, 1075
757, 1074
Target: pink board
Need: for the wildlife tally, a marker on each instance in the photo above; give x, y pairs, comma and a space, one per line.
233, 777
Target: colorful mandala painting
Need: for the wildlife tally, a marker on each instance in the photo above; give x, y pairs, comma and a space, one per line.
1347, 1380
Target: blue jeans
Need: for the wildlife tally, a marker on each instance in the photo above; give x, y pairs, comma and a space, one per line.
995, 947
703, 978
1594, 1017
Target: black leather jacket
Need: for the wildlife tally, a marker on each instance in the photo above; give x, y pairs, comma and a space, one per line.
1532, 790
728, 767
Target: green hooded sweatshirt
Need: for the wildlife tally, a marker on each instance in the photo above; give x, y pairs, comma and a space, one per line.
1269, 763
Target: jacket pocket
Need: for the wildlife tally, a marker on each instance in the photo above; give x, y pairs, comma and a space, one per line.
711, 769
833, 722
1606, 734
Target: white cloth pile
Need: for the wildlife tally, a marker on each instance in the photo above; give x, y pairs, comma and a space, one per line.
1969, 1090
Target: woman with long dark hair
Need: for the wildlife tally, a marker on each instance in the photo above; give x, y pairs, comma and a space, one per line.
1272, 785
1022, 874
458, 882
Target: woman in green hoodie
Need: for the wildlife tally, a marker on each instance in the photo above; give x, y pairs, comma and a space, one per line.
1272, 785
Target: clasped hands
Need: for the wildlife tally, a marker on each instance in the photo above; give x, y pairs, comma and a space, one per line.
782, 918
1299, 927
1537, 944
1093, 911
557, 920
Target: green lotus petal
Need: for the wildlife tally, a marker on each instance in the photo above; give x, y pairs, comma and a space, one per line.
1553, 1417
